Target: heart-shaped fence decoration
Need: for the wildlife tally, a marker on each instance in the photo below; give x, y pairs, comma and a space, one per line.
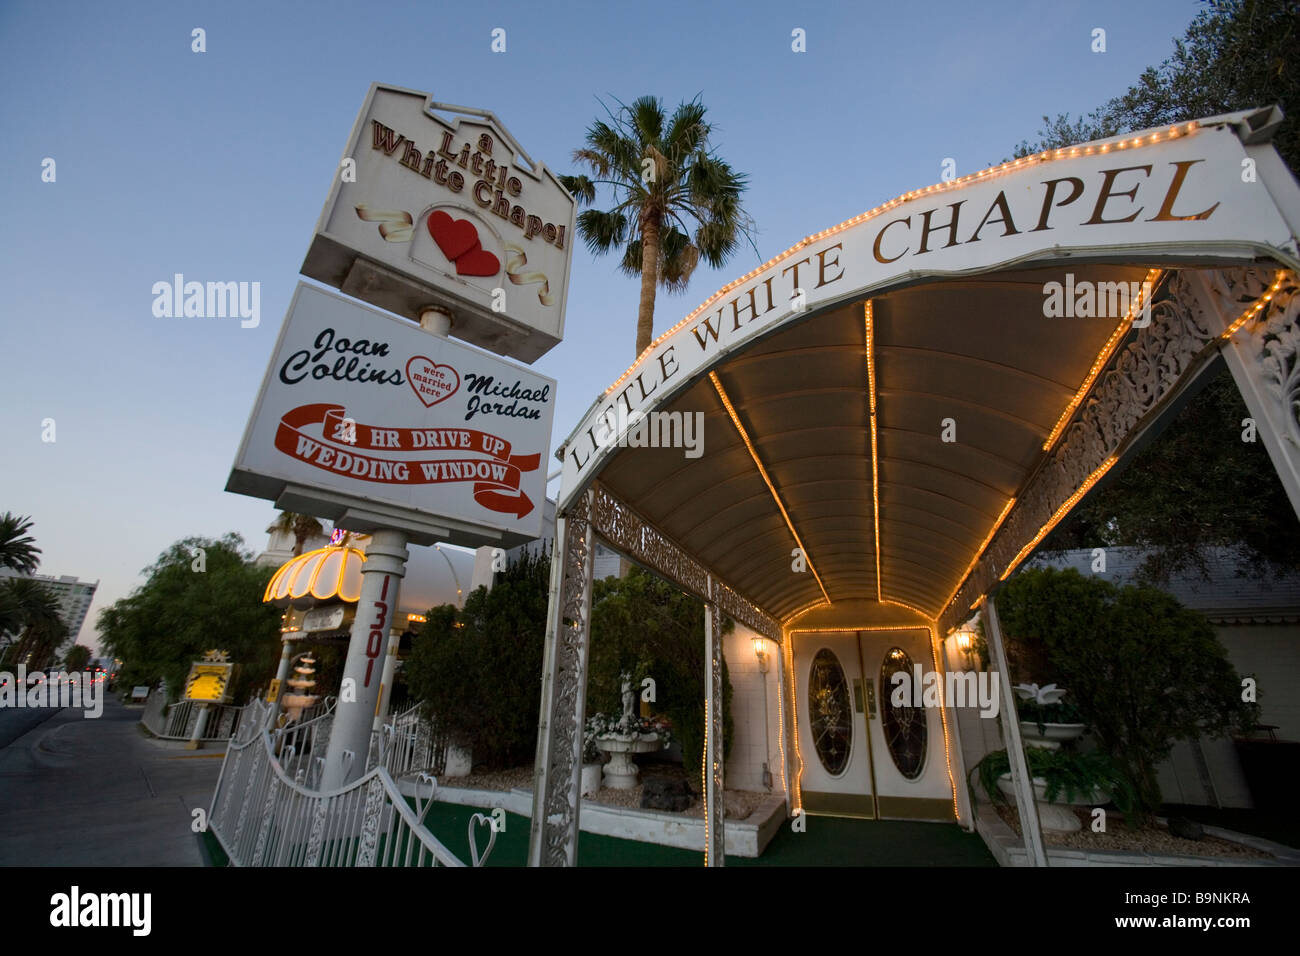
431, 382
423, 801
476, 858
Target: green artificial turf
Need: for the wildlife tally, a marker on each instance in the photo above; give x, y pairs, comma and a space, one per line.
827, 841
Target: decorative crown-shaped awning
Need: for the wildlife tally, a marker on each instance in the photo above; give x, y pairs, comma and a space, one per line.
326, 574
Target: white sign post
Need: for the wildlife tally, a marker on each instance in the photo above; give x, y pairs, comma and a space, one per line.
374, 422
390, 430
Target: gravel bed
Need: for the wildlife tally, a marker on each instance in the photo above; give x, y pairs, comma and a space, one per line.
1152, 838
740, 803
504, 780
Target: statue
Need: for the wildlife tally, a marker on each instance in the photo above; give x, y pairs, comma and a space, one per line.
629, 697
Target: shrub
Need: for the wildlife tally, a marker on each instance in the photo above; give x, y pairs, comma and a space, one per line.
477, 669
1143, 670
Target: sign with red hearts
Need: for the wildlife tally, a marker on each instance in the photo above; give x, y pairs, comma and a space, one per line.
440, 206
361, 411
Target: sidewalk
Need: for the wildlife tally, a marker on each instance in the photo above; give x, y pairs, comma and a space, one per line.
82, 792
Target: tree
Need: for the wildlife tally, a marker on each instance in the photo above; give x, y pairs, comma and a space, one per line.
30, 609
1198, 485
18, 549
643, 625
1236, 54
476, 668
1144, 670
181, 612
77, 658
301, 527
675, 201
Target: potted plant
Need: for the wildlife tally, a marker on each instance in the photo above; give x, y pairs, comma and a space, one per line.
1046, 720
621, 738
1062, 777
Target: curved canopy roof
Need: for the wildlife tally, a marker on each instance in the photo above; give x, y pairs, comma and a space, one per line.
326, 574
876, 399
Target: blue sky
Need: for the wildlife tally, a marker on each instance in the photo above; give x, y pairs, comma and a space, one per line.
216, 165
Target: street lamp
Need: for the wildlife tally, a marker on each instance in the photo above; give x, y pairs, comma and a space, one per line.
460, 598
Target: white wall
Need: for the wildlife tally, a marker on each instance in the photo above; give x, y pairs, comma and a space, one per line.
749, 748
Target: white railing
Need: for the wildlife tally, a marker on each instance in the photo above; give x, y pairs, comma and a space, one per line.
176, 721
263, 817
300, 747
406, 745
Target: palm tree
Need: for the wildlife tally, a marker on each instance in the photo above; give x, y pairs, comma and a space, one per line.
29, 606
675, 201
301, 527
17, 548
77, 658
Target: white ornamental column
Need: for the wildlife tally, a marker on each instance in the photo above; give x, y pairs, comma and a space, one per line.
282, 672
381, 577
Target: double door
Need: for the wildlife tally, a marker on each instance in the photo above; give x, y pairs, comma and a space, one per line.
870, 746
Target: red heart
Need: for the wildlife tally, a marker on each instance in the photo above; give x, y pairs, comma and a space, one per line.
476, 262
454, 237
431, 382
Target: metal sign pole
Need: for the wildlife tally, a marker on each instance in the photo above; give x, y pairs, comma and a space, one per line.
381, 578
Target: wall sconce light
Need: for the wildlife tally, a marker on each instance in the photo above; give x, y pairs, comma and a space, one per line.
966, 644
760, 652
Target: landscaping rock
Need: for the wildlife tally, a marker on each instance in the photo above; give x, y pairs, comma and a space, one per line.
1186, 829
665, 793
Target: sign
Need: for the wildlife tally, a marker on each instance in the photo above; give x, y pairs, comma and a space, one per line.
362, 411
139, 693
273, 692
1168, 198
426, 210
208, 681
323, 619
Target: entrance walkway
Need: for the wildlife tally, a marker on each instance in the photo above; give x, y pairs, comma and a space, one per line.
829, 841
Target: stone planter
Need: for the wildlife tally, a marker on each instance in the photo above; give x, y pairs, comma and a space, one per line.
1054, 816
621, 772
591, 778
1052, 735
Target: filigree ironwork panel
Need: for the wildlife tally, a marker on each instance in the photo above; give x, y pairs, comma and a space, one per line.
563, 754
371, 816
636, 537
715, 794
1142, 375
1275, 339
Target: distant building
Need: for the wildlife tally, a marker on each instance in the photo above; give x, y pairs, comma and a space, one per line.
74, 598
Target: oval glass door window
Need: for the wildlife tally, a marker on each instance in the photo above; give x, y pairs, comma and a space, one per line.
830, 715
903, 726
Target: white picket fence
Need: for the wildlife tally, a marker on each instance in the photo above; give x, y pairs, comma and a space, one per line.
176, 721
267, 812
407, 744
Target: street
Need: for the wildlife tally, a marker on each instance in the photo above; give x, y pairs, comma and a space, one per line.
97, 792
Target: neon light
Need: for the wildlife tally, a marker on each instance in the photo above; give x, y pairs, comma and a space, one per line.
744, 436
860, 218
1153, 278
868, 314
